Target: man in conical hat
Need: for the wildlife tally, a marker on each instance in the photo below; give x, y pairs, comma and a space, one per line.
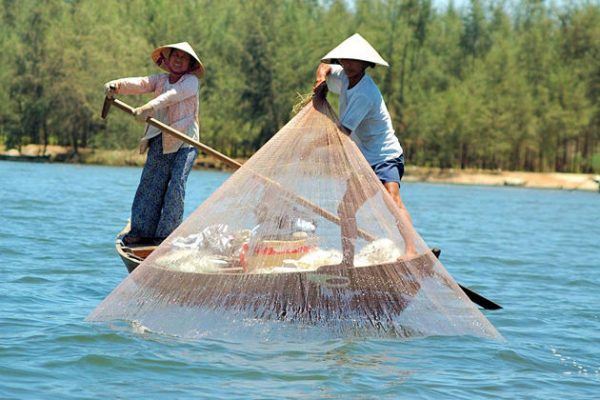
159, 200
365, 117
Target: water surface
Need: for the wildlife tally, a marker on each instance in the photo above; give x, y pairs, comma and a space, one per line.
533, 251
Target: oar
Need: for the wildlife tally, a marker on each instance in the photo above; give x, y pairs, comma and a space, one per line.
479, 299
108, 102
473, 296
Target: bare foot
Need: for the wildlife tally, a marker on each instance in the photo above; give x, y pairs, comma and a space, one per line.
410, 254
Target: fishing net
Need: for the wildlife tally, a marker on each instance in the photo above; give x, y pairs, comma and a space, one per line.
303, 238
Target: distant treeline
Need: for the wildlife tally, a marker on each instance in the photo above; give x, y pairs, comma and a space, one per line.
491, 84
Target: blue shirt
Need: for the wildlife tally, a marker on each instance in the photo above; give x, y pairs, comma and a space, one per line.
364, 113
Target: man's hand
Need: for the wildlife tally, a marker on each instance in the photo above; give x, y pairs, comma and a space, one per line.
142, 113
319, 83
320, 89
320, 94
320, 86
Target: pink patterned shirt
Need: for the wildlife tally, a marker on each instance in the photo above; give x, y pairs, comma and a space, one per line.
174, 104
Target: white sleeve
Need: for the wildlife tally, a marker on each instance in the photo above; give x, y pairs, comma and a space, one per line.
136, 85
334, 79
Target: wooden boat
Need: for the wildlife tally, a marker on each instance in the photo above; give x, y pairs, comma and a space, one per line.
132, 255
371, 294
362, 296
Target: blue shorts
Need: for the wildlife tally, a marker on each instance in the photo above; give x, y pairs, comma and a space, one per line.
390, 170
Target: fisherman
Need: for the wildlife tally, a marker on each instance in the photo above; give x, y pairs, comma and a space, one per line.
159, 200
365, 118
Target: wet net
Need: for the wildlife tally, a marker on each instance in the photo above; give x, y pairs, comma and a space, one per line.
302, 238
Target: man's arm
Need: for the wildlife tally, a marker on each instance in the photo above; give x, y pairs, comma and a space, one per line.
320, 85
323, 70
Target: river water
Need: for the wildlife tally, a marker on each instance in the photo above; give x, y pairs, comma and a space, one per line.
533, 251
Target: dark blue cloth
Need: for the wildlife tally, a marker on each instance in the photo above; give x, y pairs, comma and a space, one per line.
159, 200
390, 170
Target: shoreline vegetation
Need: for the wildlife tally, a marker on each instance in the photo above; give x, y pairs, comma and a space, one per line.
487, 84
539, 180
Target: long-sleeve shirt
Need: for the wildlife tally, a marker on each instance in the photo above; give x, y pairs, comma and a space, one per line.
174, 104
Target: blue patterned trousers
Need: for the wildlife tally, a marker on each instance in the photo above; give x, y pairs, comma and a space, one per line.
159, 200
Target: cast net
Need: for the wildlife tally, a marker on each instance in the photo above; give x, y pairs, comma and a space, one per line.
302, 238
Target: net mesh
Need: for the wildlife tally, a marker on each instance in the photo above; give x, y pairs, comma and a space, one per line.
302, 237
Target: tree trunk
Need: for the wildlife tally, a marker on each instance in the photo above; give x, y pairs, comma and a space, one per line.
45, 138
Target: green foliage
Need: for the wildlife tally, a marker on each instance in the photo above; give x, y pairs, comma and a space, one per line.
484, 86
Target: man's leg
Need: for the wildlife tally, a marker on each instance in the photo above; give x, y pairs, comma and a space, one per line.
353, 199
407, 230
148, 201
173, 204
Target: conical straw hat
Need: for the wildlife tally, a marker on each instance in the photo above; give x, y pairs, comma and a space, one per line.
354, 48
159, 56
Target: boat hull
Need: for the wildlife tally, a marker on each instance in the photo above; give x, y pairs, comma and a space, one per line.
374, 293
132, 256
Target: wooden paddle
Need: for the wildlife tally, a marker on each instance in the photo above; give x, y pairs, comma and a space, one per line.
108, 102
473, 296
